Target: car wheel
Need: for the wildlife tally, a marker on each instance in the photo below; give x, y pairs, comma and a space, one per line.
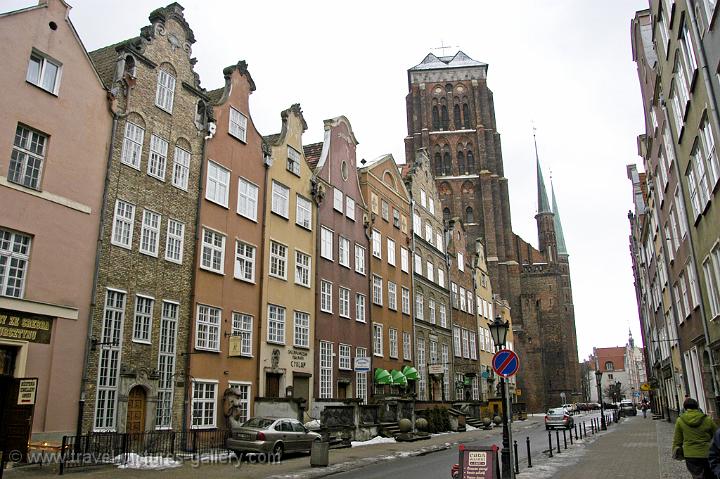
278, 451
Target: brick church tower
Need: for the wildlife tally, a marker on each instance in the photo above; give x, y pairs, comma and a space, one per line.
450, 113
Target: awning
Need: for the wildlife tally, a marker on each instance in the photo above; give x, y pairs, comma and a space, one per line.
410, 373
398, 378
382, 376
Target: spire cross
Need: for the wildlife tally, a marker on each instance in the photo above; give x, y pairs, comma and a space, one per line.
443, 47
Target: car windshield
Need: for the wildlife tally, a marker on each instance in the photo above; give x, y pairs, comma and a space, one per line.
556, 411
258, 423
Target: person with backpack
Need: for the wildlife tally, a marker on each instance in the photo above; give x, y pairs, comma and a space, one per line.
694, 431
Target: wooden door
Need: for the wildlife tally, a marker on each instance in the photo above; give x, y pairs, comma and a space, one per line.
15, 421
136, 410
273, 385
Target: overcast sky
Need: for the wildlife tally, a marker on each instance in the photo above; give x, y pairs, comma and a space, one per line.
565, 66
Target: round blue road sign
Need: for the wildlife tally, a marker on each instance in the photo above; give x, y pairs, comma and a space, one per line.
505, 363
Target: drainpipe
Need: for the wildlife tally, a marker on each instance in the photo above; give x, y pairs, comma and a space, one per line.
411, 260
368, 223
267, 163
705, 74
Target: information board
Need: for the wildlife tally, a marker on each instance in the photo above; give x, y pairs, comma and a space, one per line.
479, 462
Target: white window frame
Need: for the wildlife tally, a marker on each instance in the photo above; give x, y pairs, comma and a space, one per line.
150, 233
407, 349
181, 168
457, 343
419, 310
343, 251
377, 290
276, 324
43, 72
461, 262
303, 268
393, 338
278, 262
326, 369
247, 202
377, 339
165, 91
391, 252
344, 357
207, 327
376, 244
326, 301
211, 251
206, 390
392, 295
217, 185
360, 305
344, 302
301, 329
15, 258
242, 325
303, 212
244, 389
143, 319
326, 243
123, 224
404, 260
245, 257
132, 145
237, 124
405, 300
280, 200
293, 161
431, 309
338, 200
350, 208
360, 259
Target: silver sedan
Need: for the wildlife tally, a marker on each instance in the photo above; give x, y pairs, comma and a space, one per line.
271, 436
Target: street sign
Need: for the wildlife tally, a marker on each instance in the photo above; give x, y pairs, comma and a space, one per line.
505, 363
636, 394
436, 369
518, 392
479, 462
645, 387
362, 364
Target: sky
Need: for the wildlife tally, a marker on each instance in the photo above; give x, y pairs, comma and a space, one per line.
562, 66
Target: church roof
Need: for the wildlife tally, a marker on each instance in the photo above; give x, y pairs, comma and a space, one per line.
559, 236
459, 60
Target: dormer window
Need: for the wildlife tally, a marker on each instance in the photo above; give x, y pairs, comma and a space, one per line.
238, 124
165, 93
609, 366
44, 72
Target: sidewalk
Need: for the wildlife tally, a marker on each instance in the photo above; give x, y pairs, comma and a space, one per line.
633, 448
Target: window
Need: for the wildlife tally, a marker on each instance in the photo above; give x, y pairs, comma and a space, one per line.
27, 157
361, 378
326, 243
359, 259
377, 290
166, 364
213, 251
466, 344
242, 325
150, 233
417, 224
218, 179
461, 261
441, 277
143, 319
278, 260
165, 92
396, 218
338, 200
207, 334
681, 214
405, 298
428, 233
692, 280
247, 199
204, 402
174, 241
393, 336
431, 205
404, 266
43, 72
238, 125
350, 208
446, 367
276, 324
109, 361
303, 213
711, 268
677, 111
122, 229
423, 198
462, 299
326, 369
407, 350
244, 262
420, 345
439, 241
473, 345
419, 313
684, 295
609, 366
326, 296
430, 271
454, 294
344, 357
391, 252
470, 306
377, 339
456, 342
344, 251
181, 168
385, 210
14, 258
242, 392
360, 307
344, 302
377, 244
392, 296
280, 199
301, 337
132, 145
302, 268
707, 148
418, 264
431, 308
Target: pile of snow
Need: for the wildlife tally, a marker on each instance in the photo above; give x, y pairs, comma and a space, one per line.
468, 427
375, 440
313, 425
136, 461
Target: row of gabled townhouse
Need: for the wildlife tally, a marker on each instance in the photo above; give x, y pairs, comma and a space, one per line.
163, 265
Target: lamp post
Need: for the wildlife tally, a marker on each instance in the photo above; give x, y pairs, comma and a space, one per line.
498, 330
598, 380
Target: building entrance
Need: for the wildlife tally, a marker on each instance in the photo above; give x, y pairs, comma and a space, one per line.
136, 410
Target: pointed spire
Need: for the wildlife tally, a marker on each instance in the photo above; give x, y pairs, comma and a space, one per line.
559, 237
543, 205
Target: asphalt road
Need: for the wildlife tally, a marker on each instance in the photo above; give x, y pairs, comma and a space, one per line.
437, 465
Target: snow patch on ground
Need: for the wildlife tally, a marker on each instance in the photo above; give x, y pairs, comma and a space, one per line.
468, 427
375, 440
136, 461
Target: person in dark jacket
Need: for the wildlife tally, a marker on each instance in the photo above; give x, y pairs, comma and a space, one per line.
714, 455
693, 433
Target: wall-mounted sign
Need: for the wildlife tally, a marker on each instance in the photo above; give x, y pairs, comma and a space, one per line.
298, 358
362, 364
35, 328
235, 345
436, 369
26, 392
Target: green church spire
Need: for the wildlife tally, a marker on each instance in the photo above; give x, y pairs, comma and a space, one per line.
559, 237
543, 204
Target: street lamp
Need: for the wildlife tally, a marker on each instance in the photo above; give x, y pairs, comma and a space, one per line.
498, 330
598, 380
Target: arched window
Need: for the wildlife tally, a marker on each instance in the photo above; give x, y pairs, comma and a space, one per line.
447, 164
129, 68
435, 118
609, 366
461, 162
456, 116
469, 215
438, 164
466, 116
445, 119
470, 162
446, 214
448, 88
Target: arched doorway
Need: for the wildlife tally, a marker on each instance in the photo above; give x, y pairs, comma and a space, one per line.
136, 410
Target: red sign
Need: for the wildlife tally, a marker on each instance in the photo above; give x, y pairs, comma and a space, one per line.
479, 462
505, 363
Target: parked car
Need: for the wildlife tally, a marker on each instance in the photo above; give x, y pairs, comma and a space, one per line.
558, 417
627, 408
271, 436
571, 408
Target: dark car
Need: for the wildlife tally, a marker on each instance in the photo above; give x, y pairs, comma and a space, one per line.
271, 436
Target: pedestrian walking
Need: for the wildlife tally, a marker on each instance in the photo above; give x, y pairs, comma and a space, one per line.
714, 455
644, 407
693, 433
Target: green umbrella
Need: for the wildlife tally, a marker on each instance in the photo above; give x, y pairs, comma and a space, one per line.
382, 376
410, 373
398, 378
